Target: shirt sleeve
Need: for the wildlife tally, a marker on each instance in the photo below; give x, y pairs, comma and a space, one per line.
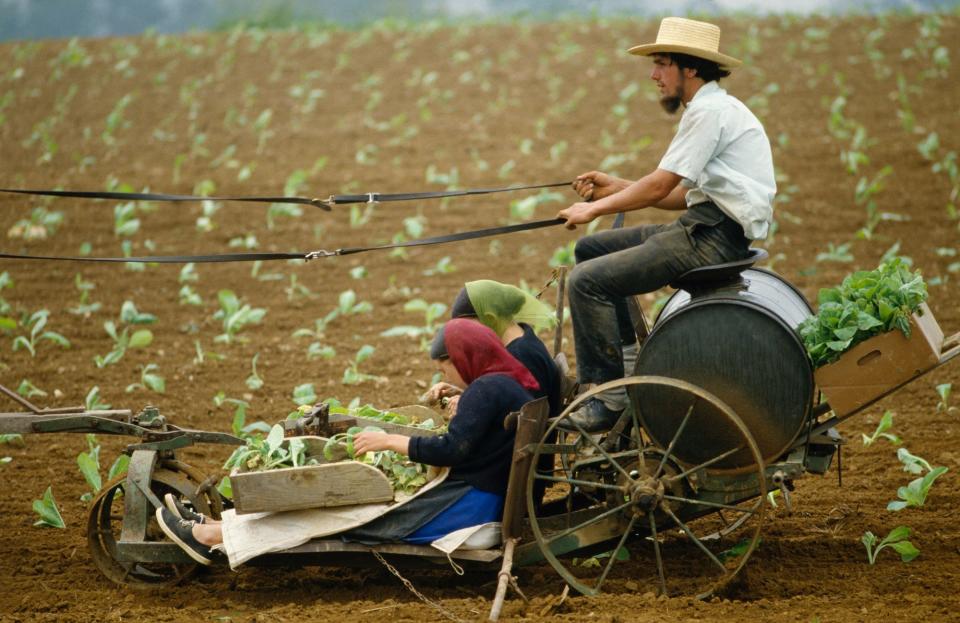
477, 411
694, 145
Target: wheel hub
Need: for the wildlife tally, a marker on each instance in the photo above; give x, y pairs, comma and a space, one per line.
647, 494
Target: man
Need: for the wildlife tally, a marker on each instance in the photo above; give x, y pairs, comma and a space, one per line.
718, 168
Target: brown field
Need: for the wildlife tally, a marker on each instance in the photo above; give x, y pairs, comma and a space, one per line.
390, 104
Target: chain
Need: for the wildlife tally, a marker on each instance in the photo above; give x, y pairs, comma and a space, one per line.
410, 587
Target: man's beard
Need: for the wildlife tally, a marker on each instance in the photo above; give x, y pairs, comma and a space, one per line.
671, 103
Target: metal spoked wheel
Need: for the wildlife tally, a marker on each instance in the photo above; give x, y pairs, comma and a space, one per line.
105, 522
680, 516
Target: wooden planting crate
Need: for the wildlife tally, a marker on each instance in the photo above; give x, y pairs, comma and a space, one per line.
328, 484
881, 364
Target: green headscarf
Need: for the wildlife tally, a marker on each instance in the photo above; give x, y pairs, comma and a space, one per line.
498, 304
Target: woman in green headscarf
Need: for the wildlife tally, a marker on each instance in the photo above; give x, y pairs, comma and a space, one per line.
515, 316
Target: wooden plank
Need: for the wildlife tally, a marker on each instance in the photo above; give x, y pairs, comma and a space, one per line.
313, 486
398, 429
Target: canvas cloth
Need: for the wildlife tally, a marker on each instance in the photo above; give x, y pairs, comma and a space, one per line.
251, 535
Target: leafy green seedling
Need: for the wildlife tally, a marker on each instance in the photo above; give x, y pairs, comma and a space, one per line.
6, 281
563, 256
36, 323
41, 225
943, 390
304, 394
92, 401
269, 453
239, 424
915, 493
254, 382
235, 316
29, 390
895, 539
47, 509
318, 350
886, 423
141, 338
188, 296
84, 307
352, 374
431, 313
12, 439
297, 289
359, 272
913, 463
149, 380
444, 266
130, 315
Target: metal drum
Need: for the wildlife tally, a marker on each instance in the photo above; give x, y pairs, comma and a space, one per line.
740, 344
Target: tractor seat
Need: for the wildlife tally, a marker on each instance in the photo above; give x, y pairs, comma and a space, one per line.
717, 275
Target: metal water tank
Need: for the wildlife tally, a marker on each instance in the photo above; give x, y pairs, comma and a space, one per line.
740, 343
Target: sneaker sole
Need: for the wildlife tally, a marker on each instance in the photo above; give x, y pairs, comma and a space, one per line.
186, 548
171, 506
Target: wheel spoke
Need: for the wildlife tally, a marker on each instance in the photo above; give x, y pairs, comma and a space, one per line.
586, 523
582, 483
585, 435
738, 509
693, 538
715, 459
638, 441
656, 551
673, 442
615, 553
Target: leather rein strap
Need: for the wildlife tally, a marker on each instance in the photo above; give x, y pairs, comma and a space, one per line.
323, 204
253, 257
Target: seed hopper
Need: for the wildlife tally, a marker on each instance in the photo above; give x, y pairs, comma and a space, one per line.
724, 409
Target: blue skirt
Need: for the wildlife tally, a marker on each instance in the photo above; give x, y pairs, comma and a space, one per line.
474, 508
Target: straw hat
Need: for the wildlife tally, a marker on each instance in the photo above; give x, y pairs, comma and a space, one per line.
687, 36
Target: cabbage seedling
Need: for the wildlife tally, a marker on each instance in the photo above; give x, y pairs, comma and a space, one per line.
47, 509
915, 493
235, 316
886, 423
254, 382
352, 374
943, 390
141, 338
29, 390
896, 539
36, 323
84, 307
149, 380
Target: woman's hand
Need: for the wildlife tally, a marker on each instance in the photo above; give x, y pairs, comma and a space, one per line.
371, 441
452, 407
438, 391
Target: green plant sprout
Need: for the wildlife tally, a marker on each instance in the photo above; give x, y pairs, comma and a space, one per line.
254, 382
943, 391
141, 338
359, 272
29, 390
304, 395
269, 452
864, 195
36, 323
12, 439
235, 316
297, 289
41, 225
239, 424
47, 509
525, 209
896, 539
188, 296
84, 307
149, 380
915, 493
886, 423
92, 400
6, 281
929, 146
352, 374
444, 266
431, 313
913, 463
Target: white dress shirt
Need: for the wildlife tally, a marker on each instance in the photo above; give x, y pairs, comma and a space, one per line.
723, 154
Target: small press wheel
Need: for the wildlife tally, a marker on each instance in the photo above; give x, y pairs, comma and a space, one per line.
106, 517
645, 514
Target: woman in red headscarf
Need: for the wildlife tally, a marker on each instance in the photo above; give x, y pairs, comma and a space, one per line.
476, 447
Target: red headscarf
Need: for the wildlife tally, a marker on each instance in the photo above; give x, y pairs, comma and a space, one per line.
475, 350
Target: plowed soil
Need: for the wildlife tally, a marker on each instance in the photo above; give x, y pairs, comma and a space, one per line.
491, 105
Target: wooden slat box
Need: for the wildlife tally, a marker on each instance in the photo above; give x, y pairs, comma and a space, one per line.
879, 365
312, 486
